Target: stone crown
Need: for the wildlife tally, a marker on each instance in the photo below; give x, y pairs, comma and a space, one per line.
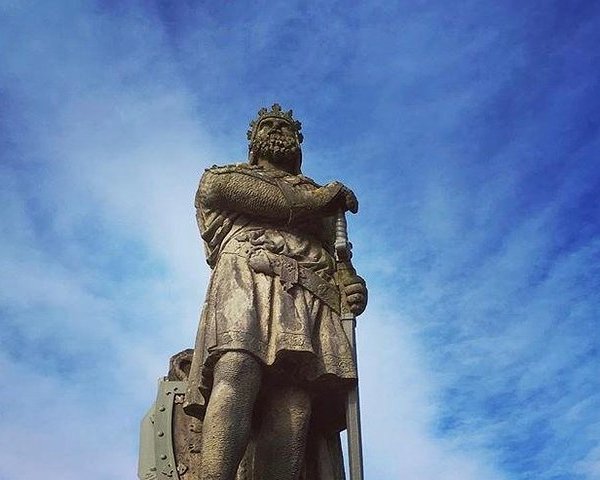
275, 112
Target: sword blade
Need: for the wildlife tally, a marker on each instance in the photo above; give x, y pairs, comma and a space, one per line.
355, 454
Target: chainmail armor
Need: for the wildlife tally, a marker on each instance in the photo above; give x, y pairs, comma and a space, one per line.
266, 194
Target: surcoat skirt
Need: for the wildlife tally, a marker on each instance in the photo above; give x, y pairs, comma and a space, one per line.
255, 305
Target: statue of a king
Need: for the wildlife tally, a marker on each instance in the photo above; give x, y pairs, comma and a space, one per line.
271, 363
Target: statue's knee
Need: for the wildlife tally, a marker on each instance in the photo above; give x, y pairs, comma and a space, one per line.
302, 408
299, 418
301, 400
237, 368
295, 405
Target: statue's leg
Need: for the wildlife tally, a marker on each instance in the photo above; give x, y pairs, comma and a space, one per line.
228, 419
283, 433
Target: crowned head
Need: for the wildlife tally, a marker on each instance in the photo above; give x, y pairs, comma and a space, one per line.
274, 136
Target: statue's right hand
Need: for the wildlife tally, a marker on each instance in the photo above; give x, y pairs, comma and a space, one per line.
346, 198
351, 200
335, 196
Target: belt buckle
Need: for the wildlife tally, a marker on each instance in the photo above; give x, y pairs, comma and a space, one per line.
289, 272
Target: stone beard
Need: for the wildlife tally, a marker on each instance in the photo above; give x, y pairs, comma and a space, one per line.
276, 146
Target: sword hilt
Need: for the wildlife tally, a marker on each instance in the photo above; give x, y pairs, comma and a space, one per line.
343, 248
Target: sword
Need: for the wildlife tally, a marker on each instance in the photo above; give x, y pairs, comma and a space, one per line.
343, 253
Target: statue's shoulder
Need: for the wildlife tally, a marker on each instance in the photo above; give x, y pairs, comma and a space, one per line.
256, 171
270, 176
305, 179
232, 168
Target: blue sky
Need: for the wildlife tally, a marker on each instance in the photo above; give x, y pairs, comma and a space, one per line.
470, 133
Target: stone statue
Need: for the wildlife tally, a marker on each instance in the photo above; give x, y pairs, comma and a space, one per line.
263, 395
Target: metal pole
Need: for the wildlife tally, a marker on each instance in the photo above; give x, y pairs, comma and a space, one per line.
343, 250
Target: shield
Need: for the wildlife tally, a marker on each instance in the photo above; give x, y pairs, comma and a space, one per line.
169, 439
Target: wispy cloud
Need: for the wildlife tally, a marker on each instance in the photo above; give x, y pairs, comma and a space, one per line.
470, 134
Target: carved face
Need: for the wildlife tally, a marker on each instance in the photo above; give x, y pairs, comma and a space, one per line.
277, 140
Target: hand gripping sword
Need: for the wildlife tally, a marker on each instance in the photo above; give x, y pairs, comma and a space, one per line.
343, 253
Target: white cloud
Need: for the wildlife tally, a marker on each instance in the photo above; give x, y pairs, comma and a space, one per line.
103, 271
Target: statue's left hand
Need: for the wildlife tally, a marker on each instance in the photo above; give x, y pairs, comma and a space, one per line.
356, 294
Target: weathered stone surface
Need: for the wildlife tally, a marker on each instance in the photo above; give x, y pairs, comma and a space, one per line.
266, 384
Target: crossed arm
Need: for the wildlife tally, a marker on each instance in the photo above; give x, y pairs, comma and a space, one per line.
271, 198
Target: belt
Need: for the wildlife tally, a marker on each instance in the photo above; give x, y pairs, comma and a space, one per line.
290, 273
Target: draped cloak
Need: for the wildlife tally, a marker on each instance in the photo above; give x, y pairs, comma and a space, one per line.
252, 306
